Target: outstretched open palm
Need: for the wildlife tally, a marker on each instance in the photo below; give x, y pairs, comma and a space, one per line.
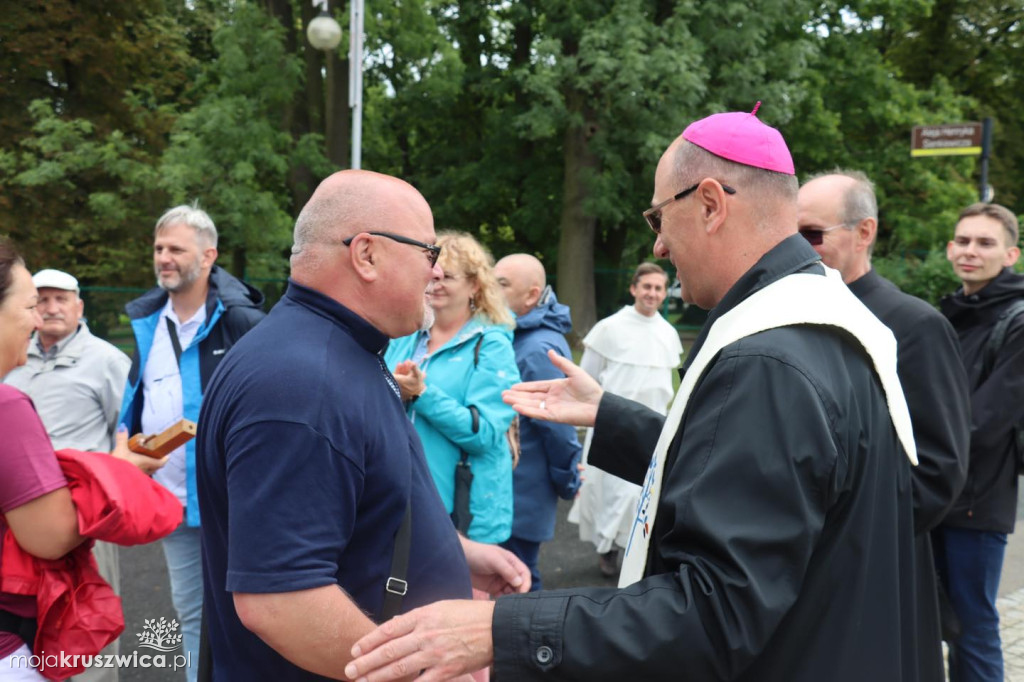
572, 400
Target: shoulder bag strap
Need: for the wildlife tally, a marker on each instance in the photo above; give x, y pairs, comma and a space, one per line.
396, 585
173, 333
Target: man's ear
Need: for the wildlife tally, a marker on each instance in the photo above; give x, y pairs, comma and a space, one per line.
713, 206
533, 296
364, 258
949, 250
209, 256
1012, 254
866, 230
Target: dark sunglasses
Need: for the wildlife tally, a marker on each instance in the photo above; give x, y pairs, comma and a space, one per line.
816, 237
433, 250
653, 214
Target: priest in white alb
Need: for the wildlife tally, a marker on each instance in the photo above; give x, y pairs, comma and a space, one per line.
632, 354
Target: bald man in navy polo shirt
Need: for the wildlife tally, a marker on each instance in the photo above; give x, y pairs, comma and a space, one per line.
307, 463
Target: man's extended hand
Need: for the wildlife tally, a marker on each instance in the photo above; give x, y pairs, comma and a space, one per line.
444, 640
495, 570
572, 400
148, 465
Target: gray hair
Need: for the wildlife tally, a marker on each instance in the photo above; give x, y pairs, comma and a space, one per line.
194, 217
859, 201
692, 163
323, 220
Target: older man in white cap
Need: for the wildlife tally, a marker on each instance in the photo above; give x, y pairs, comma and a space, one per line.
74, 378
76, 381
774, 538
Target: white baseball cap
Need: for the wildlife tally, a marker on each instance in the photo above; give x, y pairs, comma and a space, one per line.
55, 279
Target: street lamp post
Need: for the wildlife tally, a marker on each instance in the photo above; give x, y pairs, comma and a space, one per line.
355, 79
324, 33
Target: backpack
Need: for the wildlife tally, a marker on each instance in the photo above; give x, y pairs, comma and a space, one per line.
992, 347
512, 434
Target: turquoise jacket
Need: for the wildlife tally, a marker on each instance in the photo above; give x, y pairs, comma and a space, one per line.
443, 420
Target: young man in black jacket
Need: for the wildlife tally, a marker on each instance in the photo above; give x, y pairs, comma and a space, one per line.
971, 542
838, 215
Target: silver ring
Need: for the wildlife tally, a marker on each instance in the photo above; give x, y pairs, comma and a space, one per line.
543, 405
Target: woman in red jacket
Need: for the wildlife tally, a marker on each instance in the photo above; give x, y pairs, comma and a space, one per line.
34, 497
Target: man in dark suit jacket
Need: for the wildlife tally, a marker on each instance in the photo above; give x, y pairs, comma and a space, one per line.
838, 215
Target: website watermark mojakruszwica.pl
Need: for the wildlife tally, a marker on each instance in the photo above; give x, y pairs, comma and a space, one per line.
158, 636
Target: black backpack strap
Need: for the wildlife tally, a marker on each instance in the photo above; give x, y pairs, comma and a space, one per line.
19, 625
995, 342
396, 585
997, 337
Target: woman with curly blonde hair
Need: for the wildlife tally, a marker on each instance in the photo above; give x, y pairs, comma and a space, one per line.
452, 376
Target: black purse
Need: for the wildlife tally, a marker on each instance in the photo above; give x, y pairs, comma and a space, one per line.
461, 517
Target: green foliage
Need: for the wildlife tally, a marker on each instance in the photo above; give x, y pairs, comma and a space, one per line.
929, 277
975, 47
860, 117
229, 151
529, 123
86, 99
106, 176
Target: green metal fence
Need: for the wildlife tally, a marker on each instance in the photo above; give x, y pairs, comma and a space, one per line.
104, 305
104, 308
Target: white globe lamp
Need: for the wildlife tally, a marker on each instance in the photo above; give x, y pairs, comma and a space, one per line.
324, 33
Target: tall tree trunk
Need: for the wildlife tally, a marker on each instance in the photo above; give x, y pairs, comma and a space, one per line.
304, 114
239, 261
578, 227
339, 112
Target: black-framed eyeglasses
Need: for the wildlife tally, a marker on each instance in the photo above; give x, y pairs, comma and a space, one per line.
433, 250
653, 214
816, 236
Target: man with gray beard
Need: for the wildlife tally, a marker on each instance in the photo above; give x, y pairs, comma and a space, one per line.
183, 327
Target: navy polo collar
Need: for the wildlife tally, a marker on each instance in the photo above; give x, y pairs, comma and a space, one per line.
365, 334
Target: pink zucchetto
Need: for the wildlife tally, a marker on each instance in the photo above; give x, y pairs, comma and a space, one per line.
742, 138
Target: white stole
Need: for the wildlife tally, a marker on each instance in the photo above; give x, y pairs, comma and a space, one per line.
792, 300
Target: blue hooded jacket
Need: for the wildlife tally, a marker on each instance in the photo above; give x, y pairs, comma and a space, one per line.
232, 308
550, 452
456, 379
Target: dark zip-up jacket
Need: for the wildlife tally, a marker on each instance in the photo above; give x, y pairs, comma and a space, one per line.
783, 544
989, 498
232, 308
